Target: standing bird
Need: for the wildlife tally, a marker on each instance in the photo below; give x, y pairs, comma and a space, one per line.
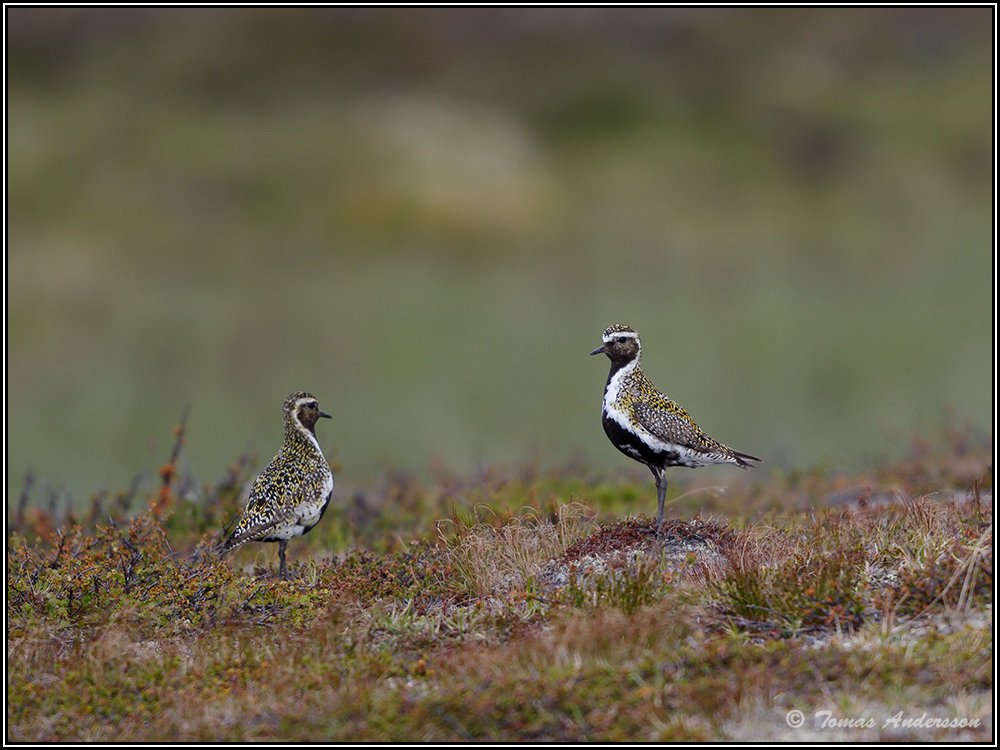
644, 424
291, 494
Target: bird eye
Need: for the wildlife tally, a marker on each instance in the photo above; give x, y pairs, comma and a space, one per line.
621, 339
314, 405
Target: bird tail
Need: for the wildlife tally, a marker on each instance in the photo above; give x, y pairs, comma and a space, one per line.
744, 459
232, 541
241, 535
227, 546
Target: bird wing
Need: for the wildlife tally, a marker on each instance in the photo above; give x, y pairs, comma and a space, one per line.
668, 422
264, 509
248, 534
275, 497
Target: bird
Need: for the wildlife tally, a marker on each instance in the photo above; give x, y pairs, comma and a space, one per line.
646, 425
291, 494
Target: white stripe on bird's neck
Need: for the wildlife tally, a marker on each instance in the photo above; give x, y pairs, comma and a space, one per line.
307, 433
614, 387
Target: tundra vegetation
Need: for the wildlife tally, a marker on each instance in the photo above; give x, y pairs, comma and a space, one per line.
519, 603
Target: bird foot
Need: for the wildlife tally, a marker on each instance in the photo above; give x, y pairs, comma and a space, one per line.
653, 528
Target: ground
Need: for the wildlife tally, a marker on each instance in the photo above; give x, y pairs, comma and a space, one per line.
518, 604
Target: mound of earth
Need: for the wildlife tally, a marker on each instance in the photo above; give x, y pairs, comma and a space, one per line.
629, 543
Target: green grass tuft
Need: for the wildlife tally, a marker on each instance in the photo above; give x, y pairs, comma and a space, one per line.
512, 615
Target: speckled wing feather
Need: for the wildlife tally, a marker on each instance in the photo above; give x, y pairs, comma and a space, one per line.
668, 422
265, 507
269, 489
250, 533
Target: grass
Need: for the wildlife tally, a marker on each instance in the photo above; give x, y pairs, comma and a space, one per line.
490, 559
198, 198
414, 615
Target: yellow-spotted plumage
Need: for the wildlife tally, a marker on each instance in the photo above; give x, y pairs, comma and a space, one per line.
291, 494
644, 424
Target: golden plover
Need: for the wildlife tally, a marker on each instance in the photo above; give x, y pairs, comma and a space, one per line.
291, 494
645, 425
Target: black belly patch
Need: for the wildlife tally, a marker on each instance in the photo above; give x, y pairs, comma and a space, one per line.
300, 522
633, 446
326, 504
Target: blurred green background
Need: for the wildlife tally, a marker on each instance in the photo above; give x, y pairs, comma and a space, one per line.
427, 217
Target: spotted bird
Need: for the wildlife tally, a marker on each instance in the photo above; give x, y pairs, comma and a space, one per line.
291, 494
646, 425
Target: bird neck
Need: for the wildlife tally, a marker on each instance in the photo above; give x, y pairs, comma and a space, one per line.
624, 367
297, 433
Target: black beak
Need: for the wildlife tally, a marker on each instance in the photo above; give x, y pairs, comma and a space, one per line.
324, 414
599, 350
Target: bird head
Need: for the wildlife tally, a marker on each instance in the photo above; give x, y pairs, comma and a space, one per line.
303, 408
620, 343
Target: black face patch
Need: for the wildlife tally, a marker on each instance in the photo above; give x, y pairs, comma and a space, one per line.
308, 415
622, 349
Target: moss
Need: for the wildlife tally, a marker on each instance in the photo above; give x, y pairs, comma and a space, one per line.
135, 631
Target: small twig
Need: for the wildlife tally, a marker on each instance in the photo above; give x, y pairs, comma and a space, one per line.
179, 430
168, 471
246, 602
96, 508
124, 502
166, 542
53, 502
22, 502
59, 551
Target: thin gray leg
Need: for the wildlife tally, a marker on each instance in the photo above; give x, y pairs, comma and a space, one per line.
282, 570
661, 492
661, 497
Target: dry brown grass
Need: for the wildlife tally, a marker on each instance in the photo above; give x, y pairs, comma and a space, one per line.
706, 629
492, 560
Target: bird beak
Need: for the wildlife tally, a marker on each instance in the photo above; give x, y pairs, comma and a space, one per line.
324, 414
599, 350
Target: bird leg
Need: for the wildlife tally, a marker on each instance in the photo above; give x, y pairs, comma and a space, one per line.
282, 569
661, 493
661, 498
